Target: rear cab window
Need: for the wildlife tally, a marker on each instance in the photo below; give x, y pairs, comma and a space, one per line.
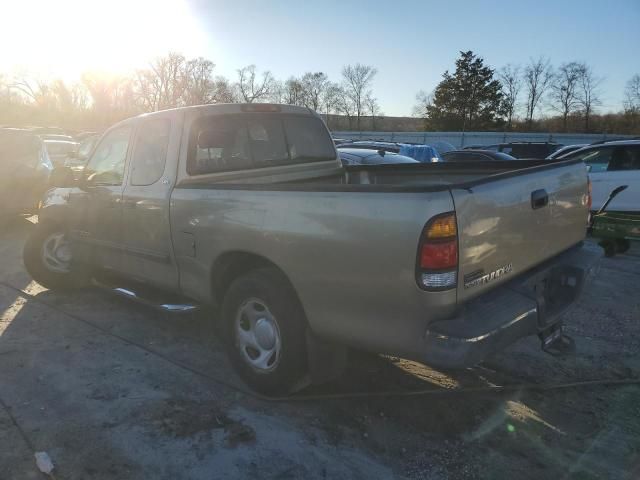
219, 143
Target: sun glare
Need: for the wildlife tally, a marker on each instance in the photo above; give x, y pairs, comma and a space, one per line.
67, 37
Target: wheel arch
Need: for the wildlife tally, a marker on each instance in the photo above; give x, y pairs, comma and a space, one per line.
231, 265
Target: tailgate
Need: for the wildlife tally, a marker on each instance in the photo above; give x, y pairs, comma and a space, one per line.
506, 227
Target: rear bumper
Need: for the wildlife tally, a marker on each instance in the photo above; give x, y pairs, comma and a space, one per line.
529, 304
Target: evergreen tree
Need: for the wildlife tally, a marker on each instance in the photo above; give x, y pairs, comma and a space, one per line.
470, 99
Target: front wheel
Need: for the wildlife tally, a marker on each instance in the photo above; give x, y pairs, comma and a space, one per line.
264, 326
48, 257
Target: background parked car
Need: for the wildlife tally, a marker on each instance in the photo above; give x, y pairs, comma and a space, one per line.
566, 150
442, 147
475, 156
56, 136
80, 137
493, 147
610, 165
76, 159
59, 150
24, 171
419, 152
521, 149
367, 156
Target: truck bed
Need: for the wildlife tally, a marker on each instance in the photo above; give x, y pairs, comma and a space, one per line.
348, 238
411, 177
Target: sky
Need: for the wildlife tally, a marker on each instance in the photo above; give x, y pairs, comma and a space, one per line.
411, 43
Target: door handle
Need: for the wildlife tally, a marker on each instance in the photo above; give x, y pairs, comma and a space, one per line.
539, 199
129, 204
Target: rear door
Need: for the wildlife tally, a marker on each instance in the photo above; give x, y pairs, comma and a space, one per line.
147, 251
623, 168
597, 161
611, 166
512, 223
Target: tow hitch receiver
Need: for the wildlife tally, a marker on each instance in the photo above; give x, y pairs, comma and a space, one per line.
555, 342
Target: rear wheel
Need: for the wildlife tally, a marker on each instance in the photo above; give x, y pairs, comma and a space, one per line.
48, 257
264, 326
622, 245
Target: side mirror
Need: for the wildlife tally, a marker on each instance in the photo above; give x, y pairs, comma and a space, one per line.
62, 177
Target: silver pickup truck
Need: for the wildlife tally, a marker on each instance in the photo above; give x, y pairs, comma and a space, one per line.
248, 210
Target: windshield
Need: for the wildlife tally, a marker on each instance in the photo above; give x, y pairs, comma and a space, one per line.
86, 146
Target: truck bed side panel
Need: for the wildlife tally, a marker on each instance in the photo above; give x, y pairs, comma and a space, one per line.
349, 255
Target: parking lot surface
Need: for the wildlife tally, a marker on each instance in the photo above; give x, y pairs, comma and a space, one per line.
114, 390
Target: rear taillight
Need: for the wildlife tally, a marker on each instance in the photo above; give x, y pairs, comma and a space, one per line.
437, 263
589, 198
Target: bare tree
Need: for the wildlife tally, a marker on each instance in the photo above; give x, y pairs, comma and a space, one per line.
564, 90
589, 92
223, 91
199, 88
423, 100
331, 99
632, 95
511, 81
373, 109
356, 82
163, 84
254, 89
112, 97
33, 88
345, 105
68, 99
313, 87
537, 78
292, 92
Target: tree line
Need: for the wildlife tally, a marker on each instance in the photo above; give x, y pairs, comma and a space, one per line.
474, 96
99, 99
478, 97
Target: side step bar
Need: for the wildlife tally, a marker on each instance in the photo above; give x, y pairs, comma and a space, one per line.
151, 298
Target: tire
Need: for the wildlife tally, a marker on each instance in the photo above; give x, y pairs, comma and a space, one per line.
622, 245
262, 306
67, 274
609, 248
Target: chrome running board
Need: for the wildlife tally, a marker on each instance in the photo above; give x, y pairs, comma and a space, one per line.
151, 298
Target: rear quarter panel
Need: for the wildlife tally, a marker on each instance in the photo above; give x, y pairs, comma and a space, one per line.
349, 255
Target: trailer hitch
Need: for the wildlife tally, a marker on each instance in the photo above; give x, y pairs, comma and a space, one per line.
555, 342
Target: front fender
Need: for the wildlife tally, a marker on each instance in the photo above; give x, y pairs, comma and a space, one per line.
55, 206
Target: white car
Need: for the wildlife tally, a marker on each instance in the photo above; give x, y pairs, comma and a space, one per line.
610, 165
561, 152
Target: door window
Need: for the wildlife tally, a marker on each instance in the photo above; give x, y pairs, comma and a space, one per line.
106, 165
624, 158
597, 158
150, 152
